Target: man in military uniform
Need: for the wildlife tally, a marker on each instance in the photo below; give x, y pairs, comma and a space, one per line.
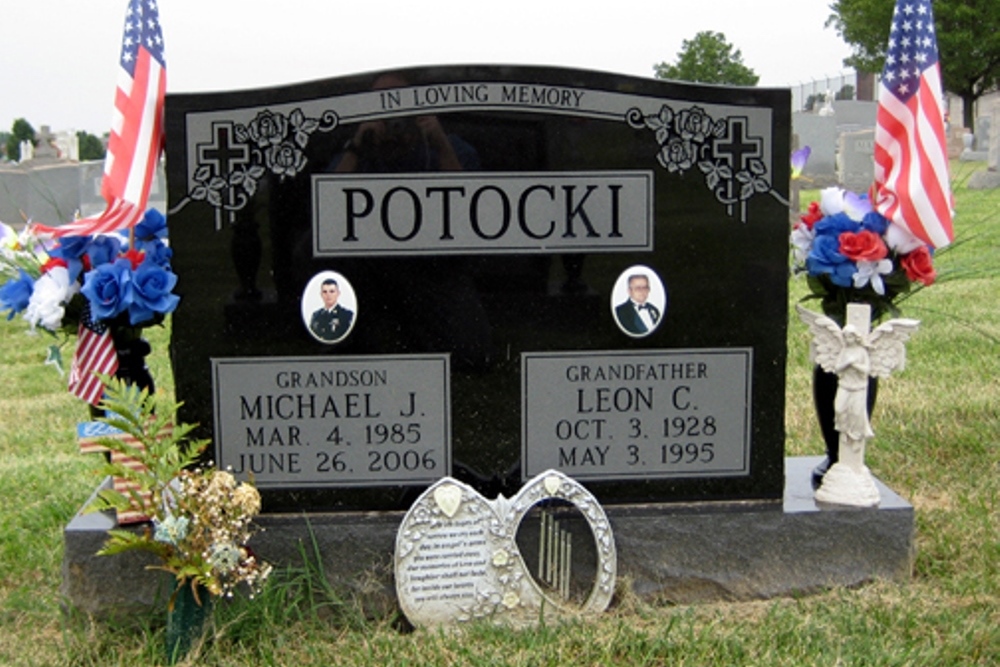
331, 322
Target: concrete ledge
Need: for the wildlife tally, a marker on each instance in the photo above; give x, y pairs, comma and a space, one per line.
681, 553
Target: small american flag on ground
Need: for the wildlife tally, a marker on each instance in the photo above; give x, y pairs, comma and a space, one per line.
911, 158
136, 141
95, 353
89, 435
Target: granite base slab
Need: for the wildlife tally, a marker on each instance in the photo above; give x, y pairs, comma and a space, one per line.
681, 553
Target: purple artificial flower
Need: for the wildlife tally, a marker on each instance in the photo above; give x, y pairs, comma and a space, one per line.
15, 294
108, 288
151, 293
152, 226
799, 159
856, 206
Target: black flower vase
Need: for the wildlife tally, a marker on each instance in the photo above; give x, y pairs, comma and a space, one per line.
824, 394
186, 618
131, 350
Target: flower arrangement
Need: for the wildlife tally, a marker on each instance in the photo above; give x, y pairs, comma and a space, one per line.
201, 517
853, 254
50, 283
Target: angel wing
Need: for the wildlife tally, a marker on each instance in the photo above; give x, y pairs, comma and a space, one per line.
827, 341
886, 346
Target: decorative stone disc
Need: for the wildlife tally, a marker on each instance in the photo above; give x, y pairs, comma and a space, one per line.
457, 558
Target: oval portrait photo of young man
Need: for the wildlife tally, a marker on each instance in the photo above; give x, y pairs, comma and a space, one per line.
638, 301
329, 307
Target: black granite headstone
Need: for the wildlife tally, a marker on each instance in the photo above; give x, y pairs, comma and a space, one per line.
393, 277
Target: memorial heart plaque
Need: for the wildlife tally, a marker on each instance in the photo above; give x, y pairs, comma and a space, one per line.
458, 559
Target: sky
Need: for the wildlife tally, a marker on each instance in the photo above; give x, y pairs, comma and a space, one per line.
58, 59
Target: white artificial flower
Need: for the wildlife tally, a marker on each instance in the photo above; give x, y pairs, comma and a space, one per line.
872, 272
48, 300
802, 240
901, 240
831, 201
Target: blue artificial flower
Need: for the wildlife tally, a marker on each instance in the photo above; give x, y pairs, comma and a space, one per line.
835, 225
108, 288
152, 226
875, 222
104, 250
151, 287
825, 258
157, 252
71, 249
15, 294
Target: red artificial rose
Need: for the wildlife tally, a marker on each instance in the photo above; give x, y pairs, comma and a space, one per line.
813, 216
135, 257
53, 263
918, 266
863, 246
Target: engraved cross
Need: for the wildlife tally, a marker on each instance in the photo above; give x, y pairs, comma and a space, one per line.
224, 157
737, 149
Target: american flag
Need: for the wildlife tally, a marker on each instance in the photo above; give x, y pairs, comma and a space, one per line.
136, 141
911, 158
95, 353
90, 436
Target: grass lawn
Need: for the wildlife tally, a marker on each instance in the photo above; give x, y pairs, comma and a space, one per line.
938, 445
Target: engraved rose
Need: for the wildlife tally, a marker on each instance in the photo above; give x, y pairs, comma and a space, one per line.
694, 124
268, 129
284, 159
676, 155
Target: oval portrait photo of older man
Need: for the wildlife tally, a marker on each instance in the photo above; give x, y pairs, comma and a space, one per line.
329, 307
638, 301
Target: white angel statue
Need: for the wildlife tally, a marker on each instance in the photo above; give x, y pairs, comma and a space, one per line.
853, 354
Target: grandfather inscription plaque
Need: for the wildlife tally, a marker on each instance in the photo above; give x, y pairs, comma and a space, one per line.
529, 230
642, 415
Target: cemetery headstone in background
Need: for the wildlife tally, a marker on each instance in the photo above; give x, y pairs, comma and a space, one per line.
485, 224
856, 159
819, 133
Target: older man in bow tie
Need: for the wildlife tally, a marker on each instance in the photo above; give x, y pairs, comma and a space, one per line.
637, 316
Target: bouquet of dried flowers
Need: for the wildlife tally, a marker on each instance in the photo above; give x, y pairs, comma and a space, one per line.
202, 518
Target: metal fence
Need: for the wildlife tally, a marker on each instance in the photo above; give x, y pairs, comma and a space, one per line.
820, 87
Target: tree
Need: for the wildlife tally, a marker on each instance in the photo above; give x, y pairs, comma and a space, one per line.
846, 92
968, 36
19, 131
91, 148
708, 58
